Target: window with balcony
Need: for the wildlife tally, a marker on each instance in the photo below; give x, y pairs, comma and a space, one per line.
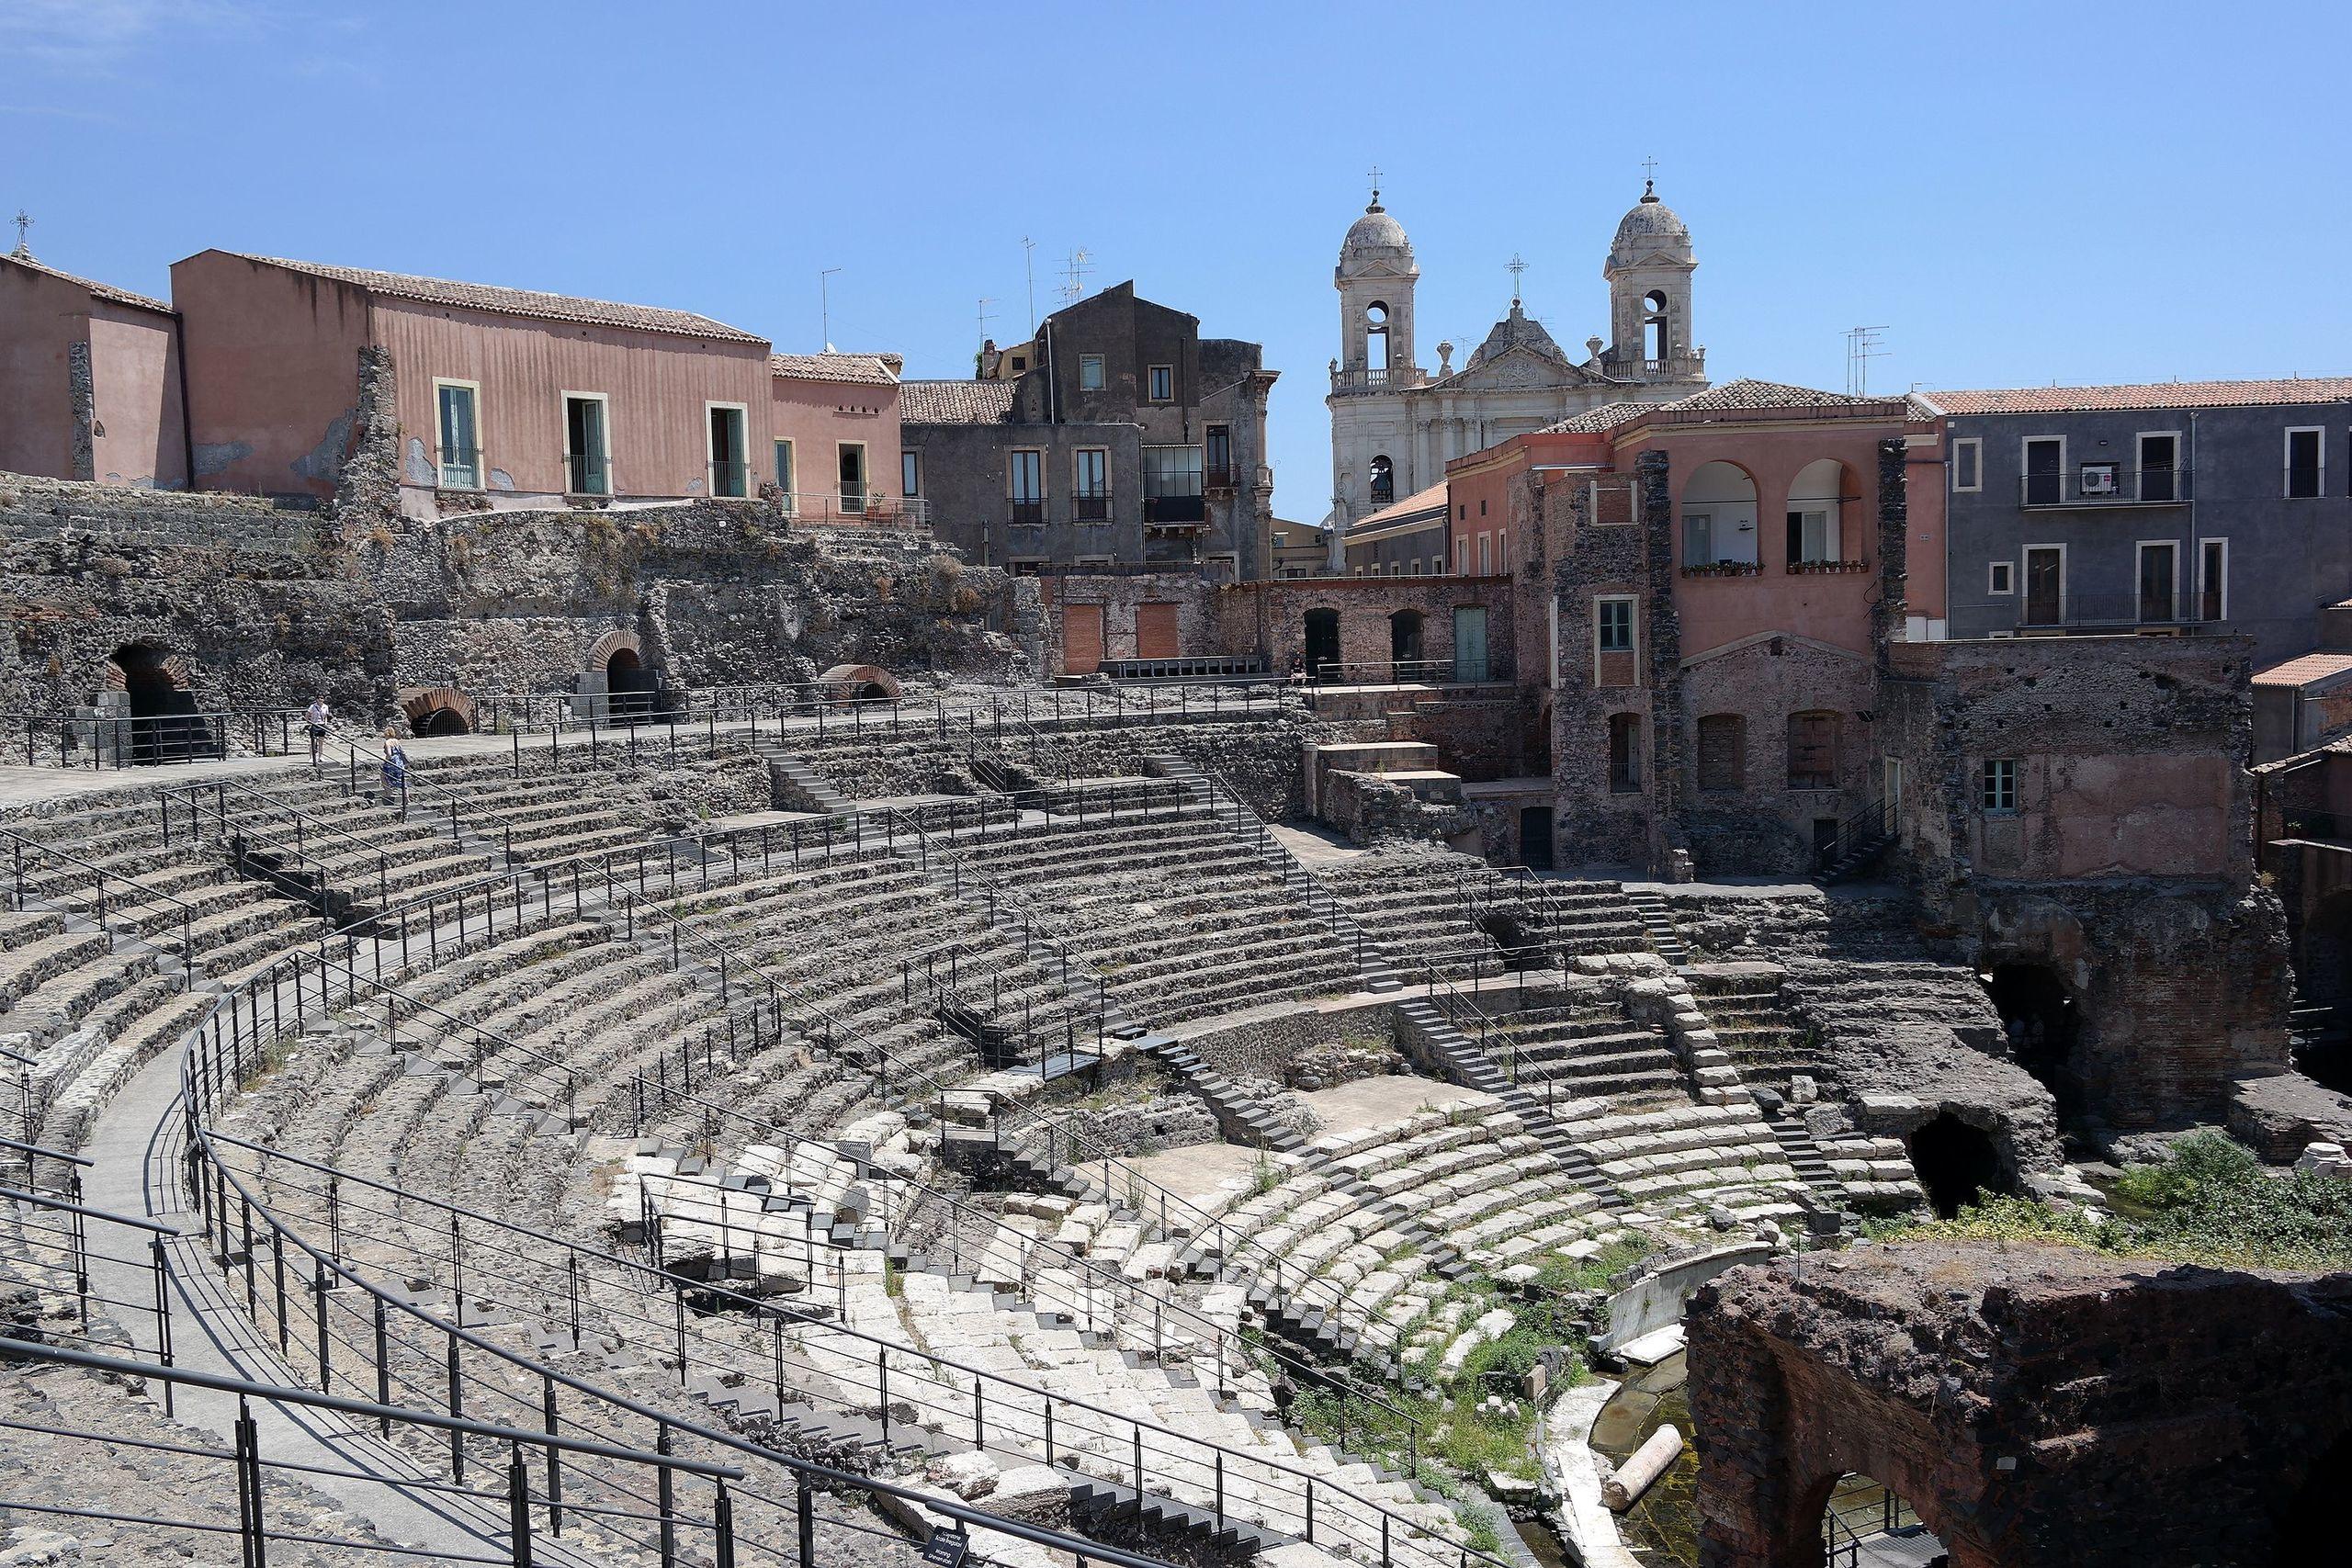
1812, 750
461, 420
1719, 521
1025, 470
1812, 515
1090, 373
1162, 383
1996, 784
851, 460
1218, 440
587, 464
1171, 485
2045, 585
1968, 465
2159, 582
1091, 484
730, 473
2214, 579
2306, 464
2159, 467
2045, 470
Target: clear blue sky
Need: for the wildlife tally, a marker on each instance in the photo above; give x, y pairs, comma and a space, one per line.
2018, 193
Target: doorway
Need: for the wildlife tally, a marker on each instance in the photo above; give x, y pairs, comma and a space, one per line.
2045, 586
631, 687
587, 468
1405, 656
2044, 1027
1536, 837
1322, 644
729, 471
1470, 642
164, 727
1955, 1162
2044, 462
853, 475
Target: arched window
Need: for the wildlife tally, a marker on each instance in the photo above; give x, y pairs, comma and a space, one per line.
1383, 482
1375, 340
1656, 343
1815, 513
1718, 515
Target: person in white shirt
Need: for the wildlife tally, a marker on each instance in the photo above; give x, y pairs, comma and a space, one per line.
315, 719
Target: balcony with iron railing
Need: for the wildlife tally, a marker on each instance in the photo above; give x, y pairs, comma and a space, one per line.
854, 507
731, 479
2104, 485
2037, 614
587, 473
1090, 508
1027, 512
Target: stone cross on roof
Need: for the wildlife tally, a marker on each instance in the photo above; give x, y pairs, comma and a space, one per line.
23, 220
1515, 266
1649, 170
1375, 173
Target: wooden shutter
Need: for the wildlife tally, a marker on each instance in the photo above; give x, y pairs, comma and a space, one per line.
1081, 638
1812, 750
1720, 748
1156, 636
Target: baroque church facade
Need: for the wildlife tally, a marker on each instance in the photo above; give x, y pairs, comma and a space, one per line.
1395, 426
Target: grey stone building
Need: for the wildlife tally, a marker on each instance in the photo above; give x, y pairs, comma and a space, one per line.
2195, 506
1118, 436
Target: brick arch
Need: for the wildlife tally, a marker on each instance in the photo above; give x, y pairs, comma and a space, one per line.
848, 683
436, 709
175, 668
619, 639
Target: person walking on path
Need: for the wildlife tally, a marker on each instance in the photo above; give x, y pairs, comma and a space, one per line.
395, 771
315, 719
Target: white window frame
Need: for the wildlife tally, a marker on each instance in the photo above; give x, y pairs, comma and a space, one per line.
1013, 466
2025, 445
710, 452
564, 400
1975, 445
1486, 554
865, 477
2286, 461
2204, 545
788, 471
1102, 375
1984, 777
2139, 550
2140, 461
1461, 556
2025, 555
2001, 578
481, 449
1632, 624
1151, 384
1437, 564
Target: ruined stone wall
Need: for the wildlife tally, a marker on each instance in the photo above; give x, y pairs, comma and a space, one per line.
1479, 740
1764, 827
2039, 1406
1592, 559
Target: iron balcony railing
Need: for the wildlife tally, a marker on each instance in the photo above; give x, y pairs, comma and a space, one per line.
1027, 512
2166, 610
587, 473
1169, 510
730, 479
2105, 484
1090, 508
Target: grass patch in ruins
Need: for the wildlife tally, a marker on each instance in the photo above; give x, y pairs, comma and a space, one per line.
2212, 1203
1560, 1274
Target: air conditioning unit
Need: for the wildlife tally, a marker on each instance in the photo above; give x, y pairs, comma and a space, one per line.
2098, 479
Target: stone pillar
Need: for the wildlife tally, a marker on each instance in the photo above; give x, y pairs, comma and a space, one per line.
1665, 644
1888, 614
81, 388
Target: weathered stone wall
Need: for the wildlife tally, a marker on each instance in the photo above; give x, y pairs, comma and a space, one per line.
1590, 559
1316, 1045
1765, 826
2039, 1406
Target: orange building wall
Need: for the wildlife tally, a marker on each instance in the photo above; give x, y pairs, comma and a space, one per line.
135, 388
273, 366
657, 386
40, 318
814, 416
1929, 563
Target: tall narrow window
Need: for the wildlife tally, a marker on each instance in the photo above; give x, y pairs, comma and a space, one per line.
1163, 383
1026, 473
1375, 343
783, 473
1812, 750
729, 472
1486, 554
2159, 467
2306, 464
1996, 787
1968, 464
911, 474
852, 476
1698, 538
1383, 482
460, 436
1722, 748
2045, 463
1625, 753
2213, 581
1656, 343
2045, 585
1091, 484
2159, 582
1220, 458
1090, 372
1615, 625
587, 469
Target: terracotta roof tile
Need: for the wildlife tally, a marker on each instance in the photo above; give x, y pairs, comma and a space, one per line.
1747, 393
106, 291
518, 301
1430, 499
1593, 421
2145, 395
867, 370
954, 403
2303, 668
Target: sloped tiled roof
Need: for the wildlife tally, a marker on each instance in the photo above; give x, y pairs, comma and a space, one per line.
865, 369
1594, 421
517, 302
954, 403
2143, 395
106, 291
1748, 393
2303, 668
1430, 499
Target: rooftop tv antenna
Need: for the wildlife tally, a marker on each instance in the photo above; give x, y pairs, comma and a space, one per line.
23, 220
1861, 347
1081, 261
825, 306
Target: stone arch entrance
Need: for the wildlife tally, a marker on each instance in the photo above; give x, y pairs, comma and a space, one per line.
1867, 1521
1955, 1161
632, 687
163, 725
440, 710
1405, 655
1322, 629
2044, 1025
859, 683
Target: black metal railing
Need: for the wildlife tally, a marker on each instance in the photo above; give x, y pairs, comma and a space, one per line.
2106, 484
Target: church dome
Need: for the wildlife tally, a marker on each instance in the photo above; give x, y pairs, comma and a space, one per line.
1377, 234
1518, 330
1650, 227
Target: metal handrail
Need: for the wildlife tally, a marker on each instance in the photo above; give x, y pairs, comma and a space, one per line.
19, 842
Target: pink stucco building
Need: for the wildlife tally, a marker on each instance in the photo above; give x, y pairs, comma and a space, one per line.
90, 380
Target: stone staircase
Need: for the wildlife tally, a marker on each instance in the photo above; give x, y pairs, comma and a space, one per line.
1243, 1118
1658, 920
1458, 1058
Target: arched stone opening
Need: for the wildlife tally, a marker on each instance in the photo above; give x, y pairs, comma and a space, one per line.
1719, 516
152, 682
441, 710
2044, 1026
162, 709
1405, 645
1816, 512
1955, 1162
1322, 629
1384, 480
2311, 1525
859, 683
631, 686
